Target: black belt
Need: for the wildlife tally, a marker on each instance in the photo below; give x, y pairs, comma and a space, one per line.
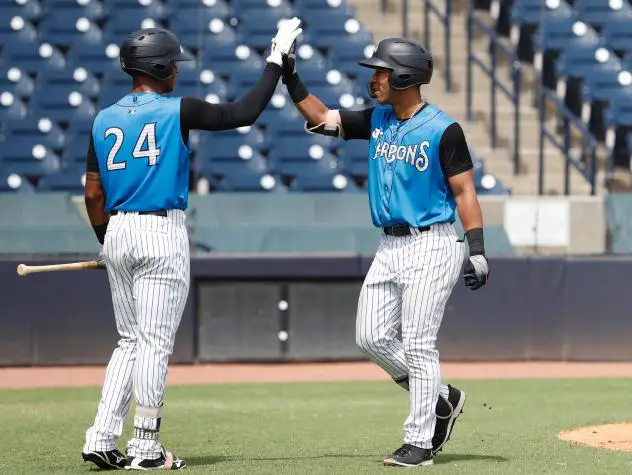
159, 212
402, 230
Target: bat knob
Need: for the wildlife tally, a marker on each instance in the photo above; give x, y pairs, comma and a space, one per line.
22, 269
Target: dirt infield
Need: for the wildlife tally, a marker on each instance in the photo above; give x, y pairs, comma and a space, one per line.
14, 378
616, 437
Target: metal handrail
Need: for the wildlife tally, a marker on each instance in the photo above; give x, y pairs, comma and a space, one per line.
516, 79
444, 18
568, 119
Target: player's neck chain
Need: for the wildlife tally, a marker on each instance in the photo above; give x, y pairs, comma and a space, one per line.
419, 106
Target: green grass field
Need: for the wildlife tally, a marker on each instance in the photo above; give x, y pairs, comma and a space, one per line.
509, 427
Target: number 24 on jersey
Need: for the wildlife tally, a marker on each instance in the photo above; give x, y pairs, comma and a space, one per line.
147, 135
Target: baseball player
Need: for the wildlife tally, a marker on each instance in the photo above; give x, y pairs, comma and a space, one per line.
420, 174
136, 193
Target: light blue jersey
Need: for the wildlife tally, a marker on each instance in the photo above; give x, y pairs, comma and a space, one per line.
407, 184
143, 162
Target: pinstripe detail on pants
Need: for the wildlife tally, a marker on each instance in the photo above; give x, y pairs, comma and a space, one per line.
147, 259
400, 310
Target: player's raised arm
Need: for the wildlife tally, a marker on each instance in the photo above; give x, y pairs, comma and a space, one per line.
196, 114
319, 118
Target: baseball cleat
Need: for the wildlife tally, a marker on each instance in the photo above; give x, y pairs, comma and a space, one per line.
106, 460
447, 413
166, 461
409, 456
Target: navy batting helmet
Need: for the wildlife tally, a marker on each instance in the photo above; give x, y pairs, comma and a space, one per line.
152, 51
410, 62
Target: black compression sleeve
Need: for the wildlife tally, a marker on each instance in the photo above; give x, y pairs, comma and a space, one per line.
356, 124
453, 151
295, 87
92, 164
196, 114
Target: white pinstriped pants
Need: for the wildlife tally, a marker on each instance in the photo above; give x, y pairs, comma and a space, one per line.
400, 310
147, 259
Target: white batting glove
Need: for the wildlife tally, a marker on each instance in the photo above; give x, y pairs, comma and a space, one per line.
282, 42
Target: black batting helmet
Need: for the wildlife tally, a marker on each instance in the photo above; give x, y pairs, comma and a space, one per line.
152, 51
410, 62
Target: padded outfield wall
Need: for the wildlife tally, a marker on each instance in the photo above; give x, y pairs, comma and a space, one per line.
533, 308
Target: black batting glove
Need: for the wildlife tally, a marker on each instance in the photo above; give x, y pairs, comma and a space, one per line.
289, 61
476, 272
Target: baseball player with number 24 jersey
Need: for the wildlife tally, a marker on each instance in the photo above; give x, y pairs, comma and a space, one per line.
420, 175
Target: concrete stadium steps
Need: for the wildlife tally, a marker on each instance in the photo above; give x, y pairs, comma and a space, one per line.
498, 161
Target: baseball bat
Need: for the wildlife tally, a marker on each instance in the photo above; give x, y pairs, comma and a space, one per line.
23, 269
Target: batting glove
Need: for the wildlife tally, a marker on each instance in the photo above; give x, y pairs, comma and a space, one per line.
284, 39
476, 272
289, 61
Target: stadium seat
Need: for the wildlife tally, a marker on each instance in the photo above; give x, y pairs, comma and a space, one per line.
79, 78
231, 61
16, 29
122, 23
309, 8
199, 9
11, 107
249, 180
69, 180
69, 27
62, 103
34, 57
259, 25
150, 8
199, 83
203, 33
294, 156
618, 34
11, 182
355, 156
35, 130
600, 13
322, 177
597, 92
16, 82
99, 59
227, 143
115, 85
29, 159
92, 10
31, 11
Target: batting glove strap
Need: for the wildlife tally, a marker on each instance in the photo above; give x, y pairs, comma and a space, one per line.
476, 241
476, 272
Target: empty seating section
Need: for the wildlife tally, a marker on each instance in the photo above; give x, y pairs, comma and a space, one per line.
584, 50
59, 66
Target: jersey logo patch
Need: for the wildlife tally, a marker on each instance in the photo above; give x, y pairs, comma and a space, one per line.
377, 133
415, 155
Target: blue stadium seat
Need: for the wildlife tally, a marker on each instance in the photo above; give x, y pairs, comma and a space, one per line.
11, 182
308, 8
100, 59
75, 152
598, 90
276, 118
227, 143
205, 34
196, 83
240, 5
11, 107
231, 165
33, 57
198, 9
21, 158
93, 10
295, 156
152, 9
232, 61
68, 180
599, 13
258, 25
35, 130
62, 103
69, 27
354, 154
122, 23
114, 86
322, 176
618, 34
79, 78
324, 31
16, 29
16, 82
31, 11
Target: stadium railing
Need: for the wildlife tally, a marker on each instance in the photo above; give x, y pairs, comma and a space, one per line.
495, 47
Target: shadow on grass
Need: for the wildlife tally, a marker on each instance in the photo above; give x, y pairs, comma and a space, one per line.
449, 458
202, 460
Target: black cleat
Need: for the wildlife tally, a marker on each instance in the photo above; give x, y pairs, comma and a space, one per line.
166, 461
409, 456
106, 460
447, 413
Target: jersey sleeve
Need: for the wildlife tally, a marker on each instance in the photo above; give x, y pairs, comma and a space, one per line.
196, 114
92, 164
356, 124
453, 151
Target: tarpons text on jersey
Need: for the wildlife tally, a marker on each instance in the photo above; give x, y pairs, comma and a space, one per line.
415, 154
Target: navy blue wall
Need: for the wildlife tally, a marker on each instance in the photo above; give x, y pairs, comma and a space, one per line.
532, 308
